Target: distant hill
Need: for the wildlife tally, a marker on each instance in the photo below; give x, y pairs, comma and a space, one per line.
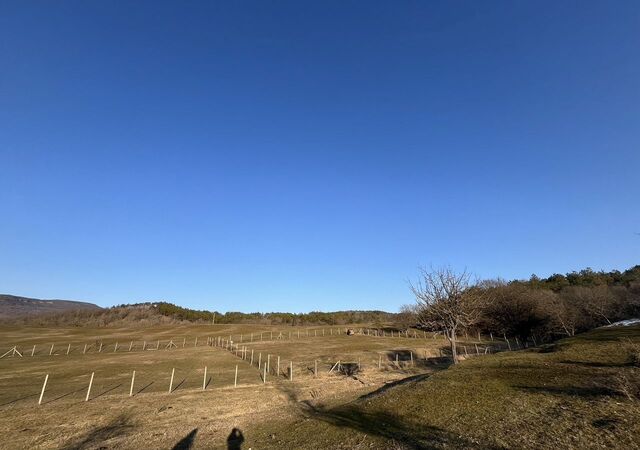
12, 306
28, 311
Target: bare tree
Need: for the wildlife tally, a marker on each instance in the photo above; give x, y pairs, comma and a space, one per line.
598, 302
565, 316
447, 301
407, 317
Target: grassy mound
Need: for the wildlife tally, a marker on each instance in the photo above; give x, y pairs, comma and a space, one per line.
578, 393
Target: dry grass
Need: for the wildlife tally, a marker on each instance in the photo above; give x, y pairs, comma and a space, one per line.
564, 396
153, 418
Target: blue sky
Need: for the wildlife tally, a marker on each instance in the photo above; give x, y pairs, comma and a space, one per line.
299, 156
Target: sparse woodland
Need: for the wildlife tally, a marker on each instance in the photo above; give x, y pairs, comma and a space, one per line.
535, 310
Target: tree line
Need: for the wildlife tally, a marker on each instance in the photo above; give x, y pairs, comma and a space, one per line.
538, 309
154, 313
274, 318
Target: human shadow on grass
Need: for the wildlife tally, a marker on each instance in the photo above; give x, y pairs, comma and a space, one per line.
235, 439
119, 426
186, 442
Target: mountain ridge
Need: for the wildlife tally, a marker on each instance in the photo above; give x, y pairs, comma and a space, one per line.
12, 306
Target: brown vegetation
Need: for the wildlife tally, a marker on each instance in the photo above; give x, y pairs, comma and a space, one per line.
532, 311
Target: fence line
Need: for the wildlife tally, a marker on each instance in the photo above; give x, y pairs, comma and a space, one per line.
98, 346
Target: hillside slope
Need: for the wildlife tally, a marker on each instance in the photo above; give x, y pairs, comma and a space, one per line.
568, 395
13, 306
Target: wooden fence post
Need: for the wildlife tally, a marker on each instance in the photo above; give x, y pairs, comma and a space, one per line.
315, 370
46, 378
379, 362
130, 345
68, 348
100, 349
235, 380
278, 367
115, 349
33, 350
173, 371
133, 379
204, 380
196, 343
268, 362
264, 377
86, 399
251, 363
51, 351
411, 355
259, 360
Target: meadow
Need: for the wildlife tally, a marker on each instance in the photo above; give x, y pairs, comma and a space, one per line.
69, 414
405, 395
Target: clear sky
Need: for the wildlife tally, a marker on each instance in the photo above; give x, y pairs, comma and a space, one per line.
298, 156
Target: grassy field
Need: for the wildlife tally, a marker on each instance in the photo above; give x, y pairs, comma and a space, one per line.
109, 418
565, 395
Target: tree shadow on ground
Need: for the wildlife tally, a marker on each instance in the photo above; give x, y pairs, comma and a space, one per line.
398, 359
395, 428
117, 427
390, 426
572, 391
598, 364
186, 442
393, 384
